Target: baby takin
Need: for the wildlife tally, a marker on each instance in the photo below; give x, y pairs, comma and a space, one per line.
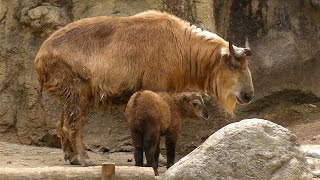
151, 115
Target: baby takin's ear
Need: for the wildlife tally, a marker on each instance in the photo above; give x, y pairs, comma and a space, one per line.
184, 98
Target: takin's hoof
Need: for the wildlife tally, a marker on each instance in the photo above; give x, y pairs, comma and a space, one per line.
156, 173
81, 160
162, 160
68, 156
169, 165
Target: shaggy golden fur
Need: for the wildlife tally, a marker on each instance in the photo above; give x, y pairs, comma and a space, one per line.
107, 59
151, 115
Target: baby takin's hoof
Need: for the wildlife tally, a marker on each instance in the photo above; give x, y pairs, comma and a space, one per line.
156, 173
162, 160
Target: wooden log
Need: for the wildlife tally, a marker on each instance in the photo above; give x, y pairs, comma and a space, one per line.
108, 171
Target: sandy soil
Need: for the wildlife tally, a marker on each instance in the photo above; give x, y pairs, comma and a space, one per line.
16, 155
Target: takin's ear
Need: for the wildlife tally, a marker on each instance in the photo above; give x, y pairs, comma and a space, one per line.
224, 54
205, 96
184, 98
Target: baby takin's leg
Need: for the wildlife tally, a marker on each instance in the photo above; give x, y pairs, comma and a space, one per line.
171, 141
150, 143
156, 154
137, 138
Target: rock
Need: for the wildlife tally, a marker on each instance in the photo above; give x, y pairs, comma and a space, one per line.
249, 149
3, 13
316, 174
312, 150
314, 163
312, 153
38, 12
45, 18
315, 3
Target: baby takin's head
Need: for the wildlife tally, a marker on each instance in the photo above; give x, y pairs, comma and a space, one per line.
192, 106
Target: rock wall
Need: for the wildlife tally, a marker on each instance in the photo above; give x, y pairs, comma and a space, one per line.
284, 37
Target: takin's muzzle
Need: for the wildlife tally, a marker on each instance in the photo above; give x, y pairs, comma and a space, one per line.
246, 96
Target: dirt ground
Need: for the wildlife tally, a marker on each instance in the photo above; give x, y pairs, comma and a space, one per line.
16, 155
19, 156
307, 133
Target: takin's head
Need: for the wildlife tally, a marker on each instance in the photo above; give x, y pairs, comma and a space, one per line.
192, 106
232, 78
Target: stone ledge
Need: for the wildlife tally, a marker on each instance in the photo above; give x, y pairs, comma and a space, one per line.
76, 173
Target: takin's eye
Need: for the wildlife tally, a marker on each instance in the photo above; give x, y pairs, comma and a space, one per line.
195, 103
234, 65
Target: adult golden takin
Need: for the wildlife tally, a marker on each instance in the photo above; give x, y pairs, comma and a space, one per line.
107, 59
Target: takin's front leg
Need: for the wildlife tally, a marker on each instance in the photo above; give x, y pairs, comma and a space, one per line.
171, 141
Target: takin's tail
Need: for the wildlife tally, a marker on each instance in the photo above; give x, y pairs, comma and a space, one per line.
41, 81
41, 75
41, 78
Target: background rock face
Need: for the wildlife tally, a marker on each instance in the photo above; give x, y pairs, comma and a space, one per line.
249, 149
284, 37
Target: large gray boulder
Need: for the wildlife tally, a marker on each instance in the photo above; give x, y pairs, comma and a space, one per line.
249, 149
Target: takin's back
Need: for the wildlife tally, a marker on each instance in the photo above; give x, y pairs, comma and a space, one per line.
118, 55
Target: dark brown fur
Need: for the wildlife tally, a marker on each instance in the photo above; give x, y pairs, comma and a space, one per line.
107, 59
151, 115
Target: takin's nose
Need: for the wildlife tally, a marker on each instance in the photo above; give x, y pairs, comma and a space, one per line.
246, 96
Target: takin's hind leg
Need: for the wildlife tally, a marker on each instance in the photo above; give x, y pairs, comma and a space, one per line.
67, 148
73, 90
65, 143
74, 122
74, 128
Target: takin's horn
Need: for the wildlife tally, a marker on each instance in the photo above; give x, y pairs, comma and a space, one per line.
247, 49
235, 51
239, 52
